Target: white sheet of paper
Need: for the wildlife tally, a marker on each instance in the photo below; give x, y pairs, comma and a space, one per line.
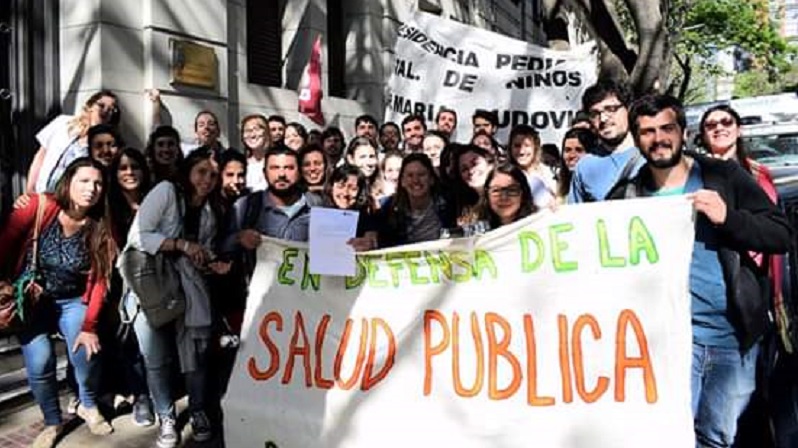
330, 229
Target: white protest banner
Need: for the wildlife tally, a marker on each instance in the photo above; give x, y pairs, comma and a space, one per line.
568, 329
440, 62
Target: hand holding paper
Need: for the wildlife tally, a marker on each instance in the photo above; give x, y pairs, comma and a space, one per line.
330, 232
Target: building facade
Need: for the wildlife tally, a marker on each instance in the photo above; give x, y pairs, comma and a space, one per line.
252, 54
785, 13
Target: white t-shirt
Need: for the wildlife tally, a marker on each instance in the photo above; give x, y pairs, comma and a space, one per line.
256, 181
56, 139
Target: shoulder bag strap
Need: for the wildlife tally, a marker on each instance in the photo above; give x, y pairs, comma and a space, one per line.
41, 206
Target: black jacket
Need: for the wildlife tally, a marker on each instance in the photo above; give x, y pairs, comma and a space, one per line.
753, 223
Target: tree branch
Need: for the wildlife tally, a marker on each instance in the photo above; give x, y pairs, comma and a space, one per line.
607, 28
687, 70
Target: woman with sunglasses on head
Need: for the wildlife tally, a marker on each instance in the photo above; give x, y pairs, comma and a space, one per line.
181, 218
70, 276
508, 197
66, 138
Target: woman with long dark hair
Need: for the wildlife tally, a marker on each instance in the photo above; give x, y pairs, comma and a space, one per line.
721, 135
575, 144
129, 182
70, 279
471, 168
418, 210
181, 218
296, 136
362, 153
122, 365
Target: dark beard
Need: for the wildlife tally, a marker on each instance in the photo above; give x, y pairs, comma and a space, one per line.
663, 164
286, 193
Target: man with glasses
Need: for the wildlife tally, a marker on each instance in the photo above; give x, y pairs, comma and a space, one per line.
606, 104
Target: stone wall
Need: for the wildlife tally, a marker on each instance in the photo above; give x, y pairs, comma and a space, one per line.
125, 46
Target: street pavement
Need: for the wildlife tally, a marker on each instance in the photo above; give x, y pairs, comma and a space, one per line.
19, 427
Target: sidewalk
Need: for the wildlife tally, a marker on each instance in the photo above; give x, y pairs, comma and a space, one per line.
20, 427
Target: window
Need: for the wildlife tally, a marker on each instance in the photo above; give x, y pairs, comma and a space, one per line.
264, 43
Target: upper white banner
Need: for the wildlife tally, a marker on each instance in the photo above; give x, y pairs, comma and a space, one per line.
443, 63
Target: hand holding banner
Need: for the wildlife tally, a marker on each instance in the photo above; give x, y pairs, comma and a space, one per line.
567, 329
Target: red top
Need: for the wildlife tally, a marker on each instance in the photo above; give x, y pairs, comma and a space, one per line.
17, 236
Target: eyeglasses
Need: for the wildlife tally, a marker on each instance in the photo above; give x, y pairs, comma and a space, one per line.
510, 192
110, 107
610, 109
726, 122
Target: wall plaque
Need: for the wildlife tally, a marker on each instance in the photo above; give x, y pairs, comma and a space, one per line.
194, 64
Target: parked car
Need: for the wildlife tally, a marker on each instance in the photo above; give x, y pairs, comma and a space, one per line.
776, 146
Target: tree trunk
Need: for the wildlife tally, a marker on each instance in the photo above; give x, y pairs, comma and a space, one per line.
604, 24
687, 74
652, 61
555, 25
646, 69
610, 65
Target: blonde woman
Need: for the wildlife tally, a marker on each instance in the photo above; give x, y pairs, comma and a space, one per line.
66, 138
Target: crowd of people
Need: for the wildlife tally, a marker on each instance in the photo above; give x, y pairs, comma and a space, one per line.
207, 208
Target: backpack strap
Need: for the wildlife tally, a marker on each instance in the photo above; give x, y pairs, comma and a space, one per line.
253, 208
630, 165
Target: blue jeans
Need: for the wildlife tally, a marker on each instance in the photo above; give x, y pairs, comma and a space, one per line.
48, 317
156, 346
722, 382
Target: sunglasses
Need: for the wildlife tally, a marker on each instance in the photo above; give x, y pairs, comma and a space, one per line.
725, 122
110, 107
